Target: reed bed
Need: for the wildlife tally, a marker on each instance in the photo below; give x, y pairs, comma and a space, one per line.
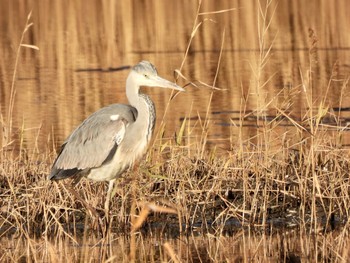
281, 194
257, 247
271, 199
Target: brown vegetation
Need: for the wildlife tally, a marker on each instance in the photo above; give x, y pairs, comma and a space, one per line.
281, 194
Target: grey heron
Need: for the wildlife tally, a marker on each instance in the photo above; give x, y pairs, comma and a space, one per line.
113, 138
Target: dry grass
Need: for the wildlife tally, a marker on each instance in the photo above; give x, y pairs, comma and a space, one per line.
281, 194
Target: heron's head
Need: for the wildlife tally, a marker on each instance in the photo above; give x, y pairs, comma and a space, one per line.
147, 75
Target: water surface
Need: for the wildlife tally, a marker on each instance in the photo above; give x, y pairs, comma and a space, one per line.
68, 79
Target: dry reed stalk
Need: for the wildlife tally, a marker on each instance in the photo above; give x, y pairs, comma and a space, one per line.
8, 127
170, 251
196, 26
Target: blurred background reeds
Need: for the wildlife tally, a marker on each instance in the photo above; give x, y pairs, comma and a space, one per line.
250, 164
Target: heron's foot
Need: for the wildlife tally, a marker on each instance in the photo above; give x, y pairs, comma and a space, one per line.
101, 220
98, 224
92, 211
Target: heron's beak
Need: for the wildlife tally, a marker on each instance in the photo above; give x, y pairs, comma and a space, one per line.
163, 83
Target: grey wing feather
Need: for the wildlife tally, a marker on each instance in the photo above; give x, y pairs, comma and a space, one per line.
95, 140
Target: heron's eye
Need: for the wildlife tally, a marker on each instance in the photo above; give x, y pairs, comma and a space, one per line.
146, 76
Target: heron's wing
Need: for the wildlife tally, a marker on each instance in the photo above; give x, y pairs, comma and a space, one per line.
94, 141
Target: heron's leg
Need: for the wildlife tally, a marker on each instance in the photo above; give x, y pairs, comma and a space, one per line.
89, 207
108, 197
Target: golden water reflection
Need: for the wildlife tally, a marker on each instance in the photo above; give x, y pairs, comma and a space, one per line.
244, 245
54, 93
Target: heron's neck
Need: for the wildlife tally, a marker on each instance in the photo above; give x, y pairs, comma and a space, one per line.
143, 104
132, 91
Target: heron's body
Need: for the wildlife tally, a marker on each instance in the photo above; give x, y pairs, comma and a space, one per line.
97, 154
113, 138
